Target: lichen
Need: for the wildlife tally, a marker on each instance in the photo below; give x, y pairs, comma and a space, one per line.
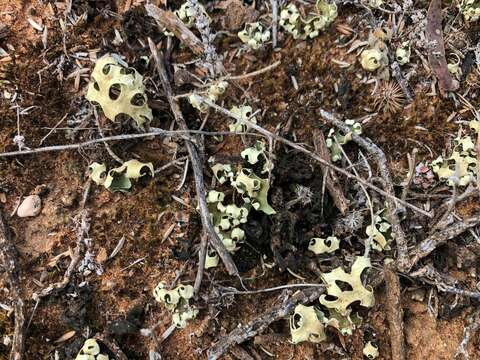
118, 90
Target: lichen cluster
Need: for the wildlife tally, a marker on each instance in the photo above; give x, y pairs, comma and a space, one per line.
252, 190
118, 90
309, 27
119, 178
177, 301
460, 167
308, 322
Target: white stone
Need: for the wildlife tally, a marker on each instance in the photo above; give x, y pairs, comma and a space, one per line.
30, 206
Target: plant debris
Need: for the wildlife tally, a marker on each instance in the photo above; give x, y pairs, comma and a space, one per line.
282, 179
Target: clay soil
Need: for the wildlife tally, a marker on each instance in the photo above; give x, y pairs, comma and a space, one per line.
44, 81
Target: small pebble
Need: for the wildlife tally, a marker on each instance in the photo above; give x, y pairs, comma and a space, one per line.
30, 206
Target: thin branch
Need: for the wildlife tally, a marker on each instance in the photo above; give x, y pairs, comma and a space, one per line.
394, 313
196, 165
100, 131
314, 156
253, 73
170, 164
8, 258
157, 132
53, 129
231, 291
392, 207
202, 254
244, 332
411, 173
440, 237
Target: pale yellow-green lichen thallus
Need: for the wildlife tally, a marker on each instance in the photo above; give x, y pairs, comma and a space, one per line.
118, 90
305, 325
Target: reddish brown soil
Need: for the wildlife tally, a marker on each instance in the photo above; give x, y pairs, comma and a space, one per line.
136, 216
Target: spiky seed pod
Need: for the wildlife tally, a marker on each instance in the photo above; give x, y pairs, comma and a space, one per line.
388, 97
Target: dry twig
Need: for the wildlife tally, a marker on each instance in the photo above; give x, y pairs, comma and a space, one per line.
331, 180
274, 4
394, 313
256, 326
392, 208
443, 282
112, 345
411, 173
314, 156
107, 147
438, 238
168, 20
202, 254
8, 257
196, 165
436, 55
468, 332
155, 132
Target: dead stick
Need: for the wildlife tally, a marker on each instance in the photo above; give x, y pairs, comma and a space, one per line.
468, 332
477, 149
394, 313
8, 257
168, 20
331, 180
314, 156
436, 55
440, 237
378, 154
112, 345
244, 332
196, 165
155, 132
202, 254
274, 4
